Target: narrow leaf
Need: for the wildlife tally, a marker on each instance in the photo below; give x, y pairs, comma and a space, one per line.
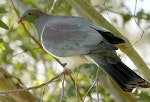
3, 25
2, 10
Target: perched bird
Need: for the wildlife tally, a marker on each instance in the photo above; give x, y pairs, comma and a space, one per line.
75, 41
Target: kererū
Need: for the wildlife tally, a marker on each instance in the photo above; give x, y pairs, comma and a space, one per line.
75, 41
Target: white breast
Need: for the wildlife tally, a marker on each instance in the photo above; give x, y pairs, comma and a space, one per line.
73, 61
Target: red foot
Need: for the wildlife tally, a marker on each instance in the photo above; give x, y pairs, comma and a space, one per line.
67, 71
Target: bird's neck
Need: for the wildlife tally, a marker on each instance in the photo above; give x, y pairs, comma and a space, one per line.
40, 23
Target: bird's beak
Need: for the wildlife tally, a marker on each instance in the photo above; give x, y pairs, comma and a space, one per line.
20, 20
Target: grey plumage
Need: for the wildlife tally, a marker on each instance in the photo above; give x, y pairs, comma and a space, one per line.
73, 40
120, 73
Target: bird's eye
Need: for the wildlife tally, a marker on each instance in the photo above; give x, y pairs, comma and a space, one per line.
29, 13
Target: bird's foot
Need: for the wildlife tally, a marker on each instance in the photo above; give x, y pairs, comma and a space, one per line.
67, 71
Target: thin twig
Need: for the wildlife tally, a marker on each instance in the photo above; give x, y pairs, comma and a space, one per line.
89, 90
53, 5
42, 94
97, 85
94, 83
123, 14
62, 91
134, 17
77, 87
33, 87
25, 50
20, 82
141, 36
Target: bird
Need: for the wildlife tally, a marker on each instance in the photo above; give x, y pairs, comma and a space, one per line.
76, 41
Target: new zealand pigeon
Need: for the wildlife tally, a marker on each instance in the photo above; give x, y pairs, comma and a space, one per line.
75, 41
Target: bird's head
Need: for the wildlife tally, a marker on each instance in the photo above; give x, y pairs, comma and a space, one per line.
30, 16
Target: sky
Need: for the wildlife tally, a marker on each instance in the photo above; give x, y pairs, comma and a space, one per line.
141, 4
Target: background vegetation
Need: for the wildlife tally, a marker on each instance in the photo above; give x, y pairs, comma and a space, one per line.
29, 74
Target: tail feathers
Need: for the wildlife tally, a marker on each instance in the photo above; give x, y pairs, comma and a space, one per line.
124, 76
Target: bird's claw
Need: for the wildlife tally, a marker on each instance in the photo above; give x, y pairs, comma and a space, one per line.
67, 71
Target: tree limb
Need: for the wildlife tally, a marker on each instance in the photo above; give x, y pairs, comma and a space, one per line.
84, 7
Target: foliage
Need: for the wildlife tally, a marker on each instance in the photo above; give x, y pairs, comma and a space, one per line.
2, 24
29, 65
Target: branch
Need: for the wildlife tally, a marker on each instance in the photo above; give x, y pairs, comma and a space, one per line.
25, 50
7, 83
75, 84
33, 87
85, 8
94, 84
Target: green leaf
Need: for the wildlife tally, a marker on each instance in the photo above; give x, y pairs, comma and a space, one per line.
2, 45
3, 25
2, 10
126, 17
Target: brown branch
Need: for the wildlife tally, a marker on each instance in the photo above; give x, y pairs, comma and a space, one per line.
97, 84
123, 14
89, 90
94, 83
76, 87
62, 91
33, 87
25, 50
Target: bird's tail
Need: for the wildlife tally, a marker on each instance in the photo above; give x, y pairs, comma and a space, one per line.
121, 74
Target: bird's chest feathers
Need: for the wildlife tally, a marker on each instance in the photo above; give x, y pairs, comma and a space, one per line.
73, 61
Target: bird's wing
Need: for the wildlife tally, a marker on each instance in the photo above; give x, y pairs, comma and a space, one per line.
66, 36
108, 35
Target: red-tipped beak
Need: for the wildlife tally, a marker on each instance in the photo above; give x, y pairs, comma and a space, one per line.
20, 21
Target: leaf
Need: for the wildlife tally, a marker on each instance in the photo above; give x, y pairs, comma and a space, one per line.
126, 17
3, 25
2, 45
2, 10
